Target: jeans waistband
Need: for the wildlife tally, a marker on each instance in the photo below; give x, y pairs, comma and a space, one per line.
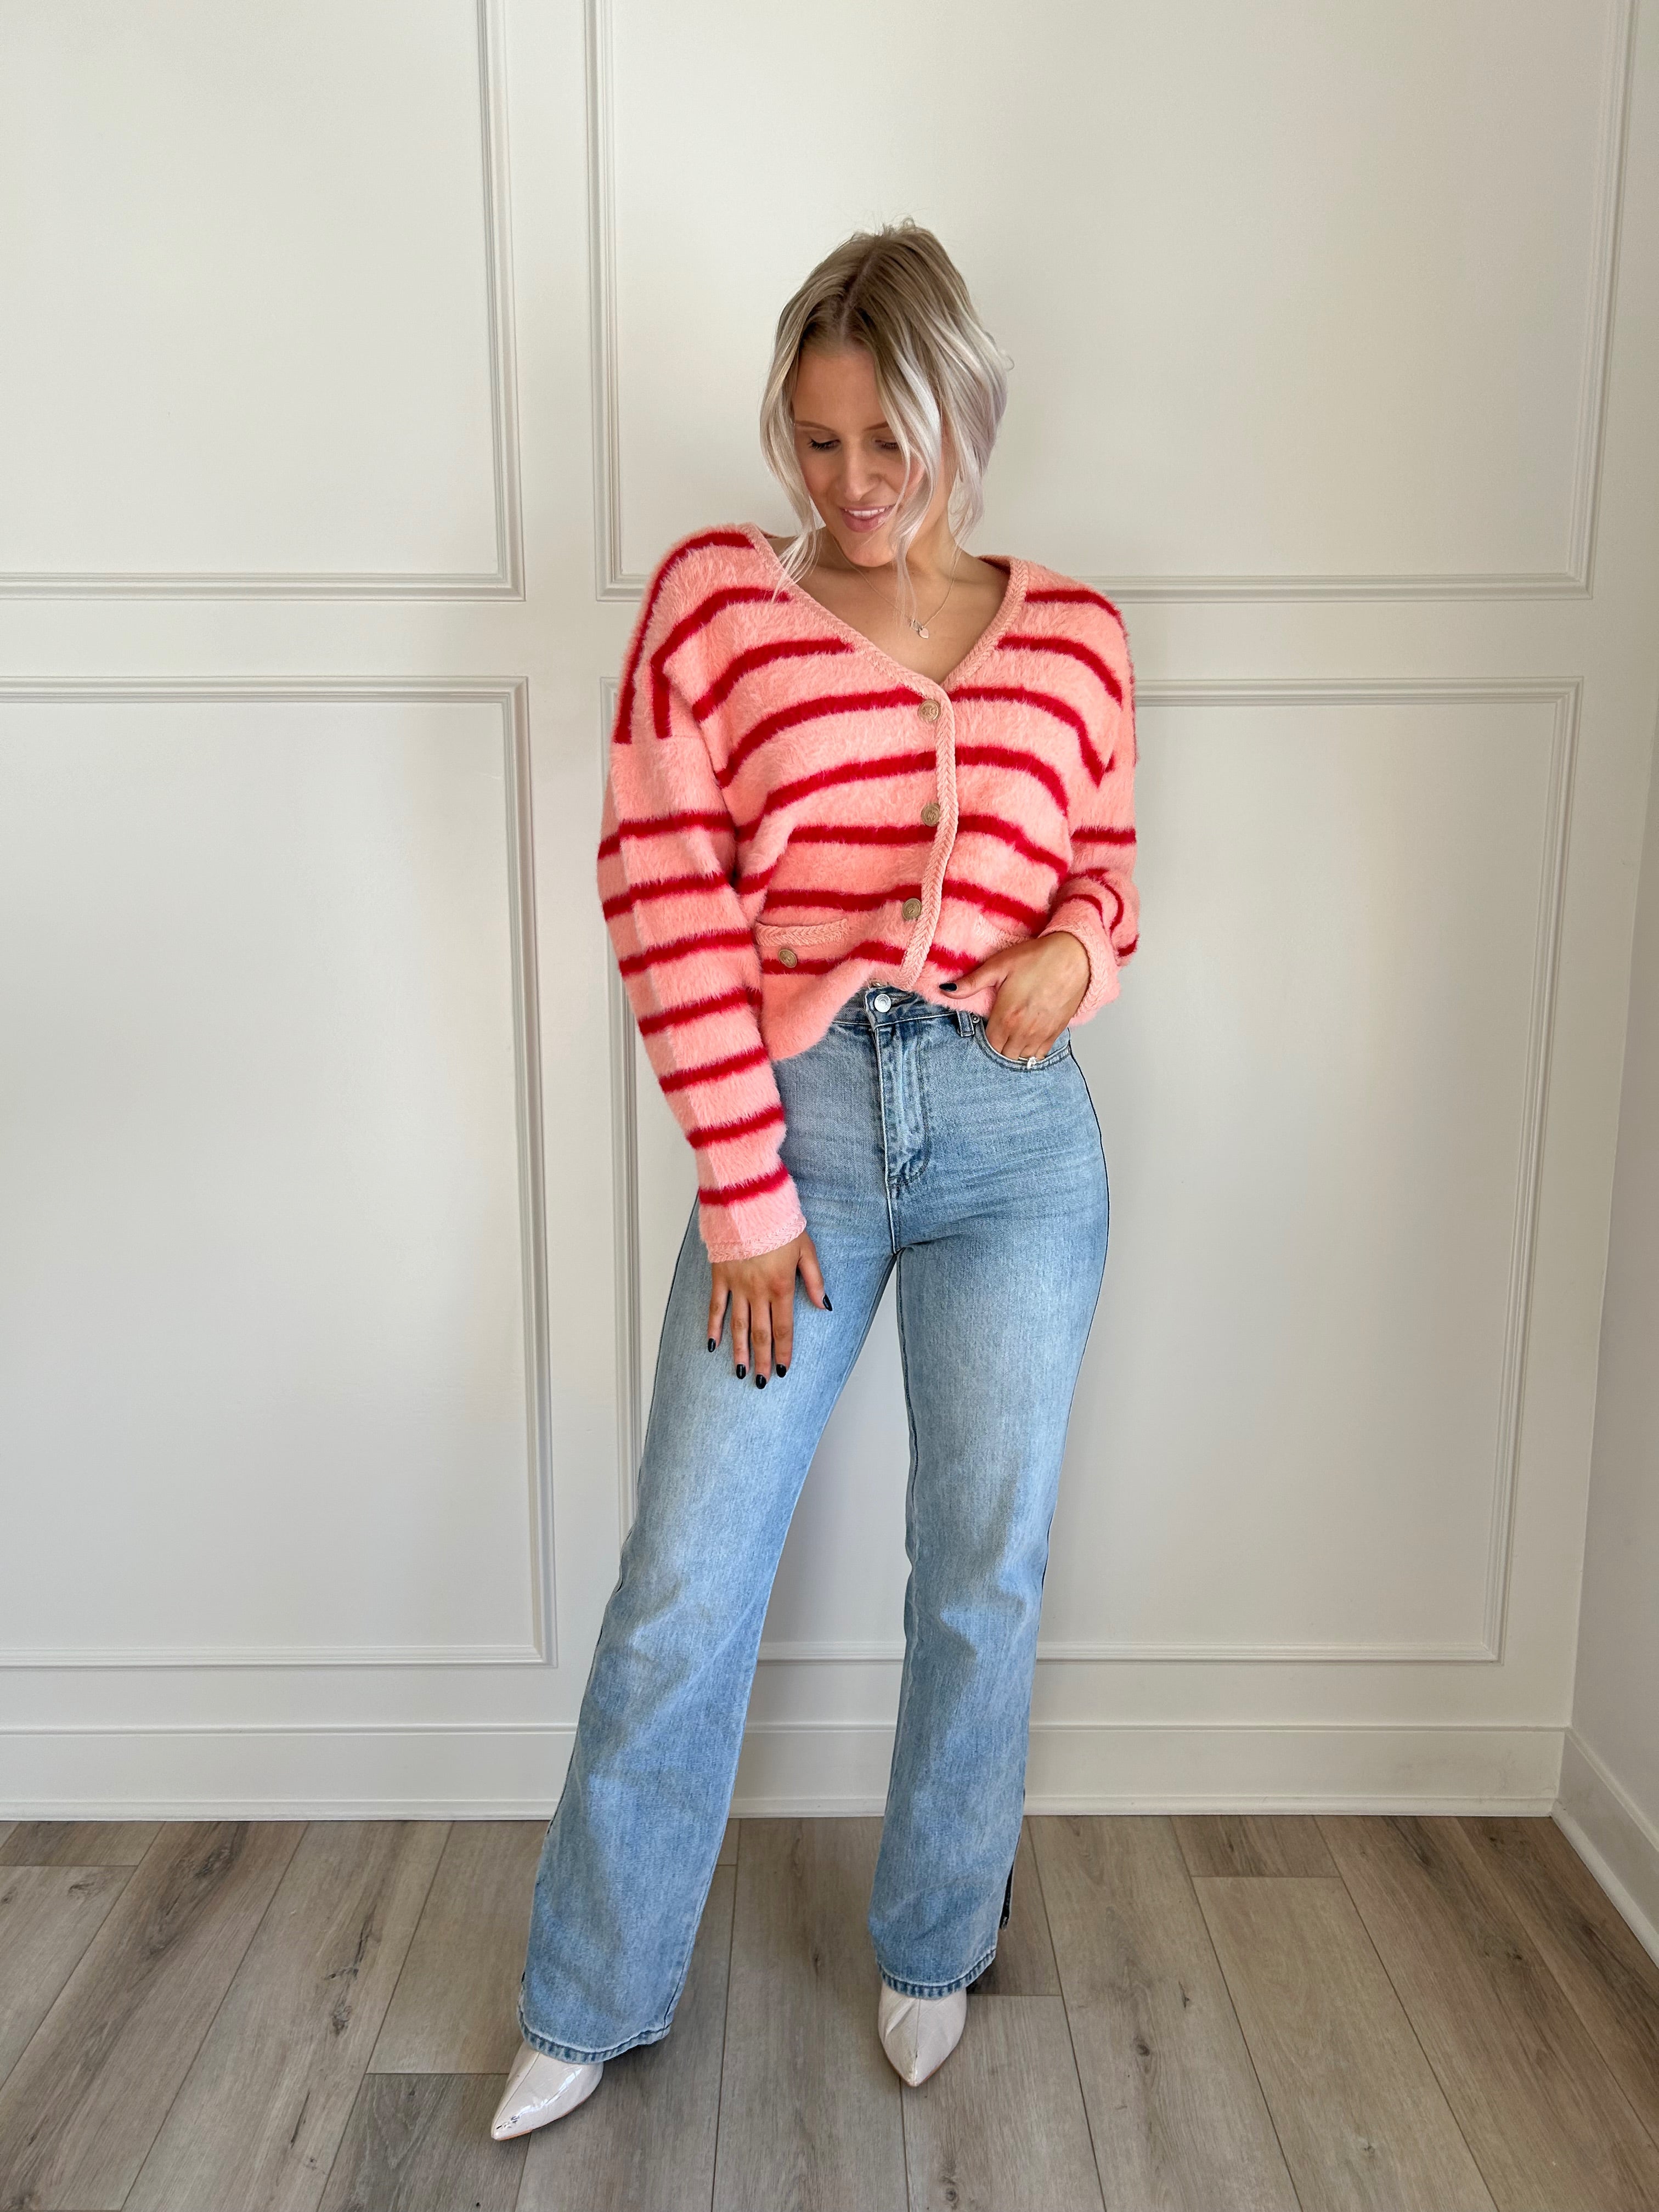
865, 1007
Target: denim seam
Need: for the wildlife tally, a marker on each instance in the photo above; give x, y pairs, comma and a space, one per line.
940, 1988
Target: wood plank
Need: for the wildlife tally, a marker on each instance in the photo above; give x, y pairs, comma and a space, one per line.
728, 1857
1277, 1846
1609, 1979
1001, 2127
82, 2106
1362, 2124
1025, 1964
263, 2110
6, 1827
456, 2008
421, 2142
810, 2118
78, 1843
1177, 2115
1549, 2125
646, 2135
48, 1916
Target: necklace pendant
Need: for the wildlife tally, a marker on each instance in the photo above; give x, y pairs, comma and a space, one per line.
921, 628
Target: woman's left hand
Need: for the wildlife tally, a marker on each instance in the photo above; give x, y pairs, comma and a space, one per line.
1042, 983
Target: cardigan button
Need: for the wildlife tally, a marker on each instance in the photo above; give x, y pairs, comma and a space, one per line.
911, 908
787, 956
930, 812
928, 710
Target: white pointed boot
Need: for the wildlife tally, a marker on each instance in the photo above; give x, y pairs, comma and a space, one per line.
920, 2034
540, 2090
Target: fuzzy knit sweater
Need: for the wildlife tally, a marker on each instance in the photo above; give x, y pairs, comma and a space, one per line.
790, 813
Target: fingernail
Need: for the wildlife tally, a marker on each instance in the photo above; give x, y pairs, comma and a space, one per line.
828, 1307
947, 987
784, 1370
760, 1382
711, 1344
742, 1371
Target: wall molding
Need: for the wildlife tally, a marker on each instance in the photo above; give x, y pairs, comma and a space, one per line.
1617, 1841
1562, 697
1573, 581
501, 1770
510, 697
506, 579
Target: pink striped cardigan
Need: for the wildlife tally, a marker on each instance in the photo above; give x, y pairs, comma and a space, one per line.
791, 813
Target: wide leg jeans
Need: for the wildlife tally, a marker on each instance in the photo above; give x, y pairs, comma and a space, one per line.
982, 1179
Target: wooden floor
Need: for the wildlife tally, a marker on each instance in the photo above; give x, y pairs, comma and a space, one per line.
1224, 2015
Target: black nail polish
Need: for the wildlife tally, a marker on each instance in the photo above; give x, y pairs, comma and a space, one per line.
742, 1371
711, 1344
784, 1369
828, 1307
947, 987
760, 1382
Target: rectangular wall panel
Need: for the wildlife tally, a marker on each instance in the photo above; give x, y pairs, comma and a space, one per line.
1298, 296
1321, 1097
262, 1314
257, 255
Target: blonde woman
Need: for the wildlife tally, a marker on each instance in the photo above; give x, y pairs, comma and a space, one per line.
867, 859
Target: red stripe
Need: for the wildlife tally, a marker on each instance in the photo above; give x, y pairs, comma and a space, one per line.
843, 901
1074, 595
810, 710
1027, 764
1124, 951
693, 1010
941, 955
733, 1194
683, 948
993, 825
664, 887
723, 1131
860, 833
995, 902
712, 1071
623, 729
1017, 694
1097, 836
662, 825
870, 949
733, 595
870, 771
762, 656
1078, 887
1014, 643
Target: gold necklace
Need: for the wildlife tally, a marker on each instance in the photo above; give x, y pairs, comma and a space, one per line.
920, 628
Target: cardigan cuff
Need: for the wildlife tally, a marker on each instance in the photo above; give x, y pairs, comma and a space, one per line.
754, 1225
1082, 917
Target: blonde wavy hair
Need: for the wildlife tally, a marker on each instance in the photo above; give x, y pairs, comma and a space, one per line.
896, 293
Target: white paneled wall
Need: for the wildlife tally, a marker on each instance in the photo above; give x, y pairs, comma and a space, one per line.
360, 362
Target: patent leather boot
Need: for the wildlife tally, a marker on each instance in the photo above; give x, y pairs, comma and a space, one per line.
920, 2034
540, 2090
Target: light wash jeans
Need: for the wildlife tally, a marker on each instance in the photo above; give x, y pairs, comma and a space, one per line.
914, 1144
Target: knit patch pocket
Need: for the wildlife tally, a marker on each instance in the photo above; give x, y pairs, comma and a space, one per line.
817, 946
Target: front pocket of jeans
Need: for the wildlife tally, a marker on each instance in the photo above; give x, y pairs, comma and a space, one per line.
1060, 1050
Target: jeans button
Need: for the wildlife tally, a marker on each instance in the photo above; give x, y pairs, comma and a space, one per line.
881, 1002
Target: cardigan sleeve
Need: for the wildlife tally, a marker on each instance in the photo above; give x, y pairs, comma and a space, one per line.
1099, 901
666, 867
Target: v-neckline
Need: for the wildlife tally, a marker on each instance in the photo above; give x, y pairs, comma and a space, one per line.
1014, 598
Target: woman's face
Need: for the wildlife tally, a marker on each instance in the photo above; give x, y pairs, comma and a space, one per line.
850, 459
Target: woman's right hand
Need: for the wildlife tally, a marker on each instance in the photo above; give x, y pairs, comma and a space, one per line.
761, 1293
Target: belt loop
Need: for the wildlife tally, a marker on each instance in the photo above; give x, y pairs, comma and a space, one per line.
964, 1020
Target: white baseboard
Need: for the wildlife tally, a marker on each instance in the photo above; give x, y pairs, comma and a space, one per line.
1614, 1836
497, 1771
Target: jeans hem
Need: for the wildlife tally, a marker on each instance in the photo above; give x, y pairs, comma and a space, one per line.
576, 2055
938, 1988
